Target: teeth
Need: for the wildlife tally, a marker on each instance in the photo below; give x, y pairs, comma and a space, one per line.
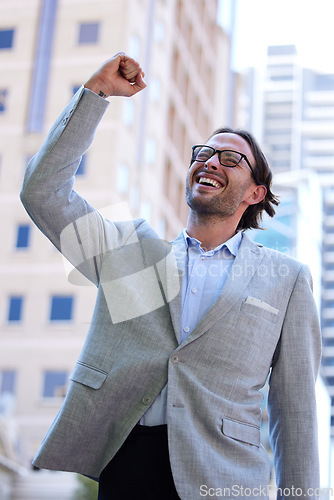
206, 180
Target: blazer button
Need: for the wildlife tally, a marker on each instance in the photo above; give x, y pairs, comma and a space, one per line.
147, 400
174, 359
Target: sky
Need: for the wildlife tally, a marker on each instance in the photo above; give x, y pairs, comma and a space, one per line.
309, 24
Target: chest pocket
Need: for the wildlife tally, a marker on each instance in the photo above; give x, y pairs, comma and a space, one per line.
88, 375
260, 312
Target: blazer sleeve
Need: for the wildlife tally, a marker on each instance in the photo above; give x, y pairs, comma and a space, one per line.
292, 399
68, 220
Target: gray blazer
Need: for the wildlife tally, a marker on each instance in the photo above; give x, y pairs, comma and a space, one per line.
264, 323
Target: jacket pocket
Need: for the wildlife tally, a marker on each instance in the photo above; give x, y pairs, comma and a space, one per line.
241, 431
259, 312
88, 375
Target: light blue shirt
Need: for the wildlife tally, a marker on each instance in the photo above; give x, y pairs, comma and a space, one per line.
204, 278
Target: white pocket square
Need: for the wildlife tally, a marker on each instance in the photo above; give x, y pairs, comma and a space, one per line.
263, 305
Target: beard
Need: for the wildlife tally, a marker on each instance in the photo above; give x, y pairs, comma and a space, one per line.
221, 206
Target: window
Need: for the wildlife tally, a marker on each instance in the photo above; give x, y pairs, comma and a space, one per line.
134, 197
82, 166
23, 236
61, 308
146, 210
150, 150
7, 382
159, 31
123, 179
128, 112
6, 39
15, 308
328, 361
134, 47
162, 227
54, 384
88, 33
3, 100
154, 89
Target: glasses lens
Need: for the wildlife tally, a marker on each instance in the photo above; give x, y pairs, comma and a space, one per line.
202, 153
229, 158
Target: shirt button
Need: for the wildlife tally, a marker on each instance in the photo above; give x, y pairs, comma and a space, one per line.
194, 290
186, 329
174, 359
147, 400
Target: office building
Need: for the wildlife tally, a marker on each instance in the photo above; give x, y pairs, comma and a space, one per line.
291, 109
136, 167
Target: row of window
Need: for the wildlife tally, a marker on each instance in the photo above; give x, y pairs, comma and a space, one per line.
54, 383
88, 33
61, 308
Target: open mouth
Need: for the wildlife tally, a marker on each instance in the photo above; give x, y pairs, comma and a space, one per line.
207, 181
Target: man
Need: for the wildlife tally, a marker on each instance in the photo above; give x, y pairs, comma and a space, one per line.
164, 401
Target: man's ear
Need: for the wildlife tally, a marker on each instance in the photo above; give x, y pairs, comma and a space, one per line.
257, 195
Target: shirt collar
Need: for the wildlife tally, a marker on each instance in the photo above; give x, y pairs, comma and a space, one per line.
232, 244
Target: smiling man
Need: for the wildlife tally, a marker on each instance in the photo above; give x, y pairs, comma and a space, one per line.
165, 399
221, 185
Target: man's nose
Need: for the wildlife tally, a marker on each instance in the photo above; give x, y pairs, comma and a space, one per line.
213, 162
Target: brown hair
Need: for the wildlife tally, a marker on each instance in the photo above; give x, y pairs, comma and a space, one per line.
252, 216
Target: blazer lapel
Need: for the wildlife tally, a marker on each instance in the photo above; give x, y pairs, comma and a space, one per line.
179, 251
246, 263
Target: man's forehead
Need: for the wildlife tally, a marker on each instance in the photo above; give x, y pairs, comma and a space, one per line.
229, 140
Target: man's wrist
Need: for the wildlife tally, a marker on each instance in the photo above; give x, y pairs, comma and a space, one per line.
96, 87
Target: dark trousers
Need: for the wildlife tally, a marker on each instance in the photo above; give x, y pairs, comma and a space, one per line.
140, 470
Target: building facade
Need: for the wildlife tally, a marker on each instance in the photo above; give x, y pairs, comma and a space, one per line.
136, 166
298, 133
294, 120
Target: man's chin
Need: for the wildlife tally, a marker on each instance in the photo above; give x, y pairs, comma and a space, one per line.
202, 206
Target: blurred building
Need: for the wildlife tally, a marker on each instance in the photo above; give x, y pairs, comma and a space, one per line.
139, 160
10, 469
298, 133
291, 109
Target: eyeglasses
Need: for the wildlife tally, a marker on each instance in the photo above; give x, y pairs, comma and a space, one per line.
227, 157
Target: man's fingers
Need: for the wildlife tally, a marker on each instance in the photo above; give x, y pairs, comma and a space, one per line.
131, 75
119, 76
129, 68
139, 83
